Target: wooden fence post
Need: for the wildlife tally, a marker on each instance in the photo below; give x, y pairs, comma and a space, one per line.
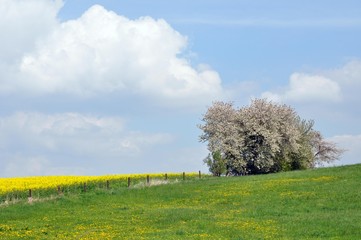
199, 174
84, 187
59, 190
128, 182
107, 184
166, 177
184, 176
148, 180
30, 198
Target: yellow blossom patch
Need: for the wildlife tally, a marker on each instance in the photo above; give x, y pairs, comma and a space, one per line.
22, 184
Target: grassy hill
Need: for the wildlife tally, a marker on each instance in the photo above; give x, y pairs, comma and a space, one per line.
313, 204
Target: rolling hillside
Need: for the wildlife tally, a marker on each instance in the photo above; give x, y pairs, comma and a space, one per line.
314, 204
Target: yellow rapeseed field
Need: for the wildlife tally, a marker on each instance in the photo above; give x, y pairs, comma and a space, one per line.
23, 184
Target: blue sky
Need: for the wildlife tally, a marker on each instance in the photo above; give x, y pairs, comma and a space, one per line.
103, 87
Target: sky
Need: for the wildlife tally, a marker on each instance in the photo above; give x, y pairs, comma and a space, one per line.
110, 87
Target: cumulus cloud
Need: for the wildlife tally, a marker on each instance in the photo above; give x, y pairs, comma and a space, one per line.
332, 85
22, 23
73, 135
305, 87
347, 75
102, 52
308, 88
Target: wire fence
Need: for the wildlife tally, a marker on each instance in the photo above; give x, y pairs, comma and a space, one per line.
30, 188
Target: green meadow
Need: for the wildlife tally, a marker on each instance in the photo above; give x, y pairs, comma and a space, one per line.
322, 203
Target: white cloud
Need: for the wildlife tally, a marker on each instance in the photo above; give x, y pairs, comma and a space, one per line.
73, 135
304, 87
331, 97
102, 52
22, 22
348, 75
331, 85
307, 88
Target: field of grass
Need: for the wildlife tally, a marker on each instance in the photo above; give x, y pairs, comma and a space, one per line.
313, 204
18, 188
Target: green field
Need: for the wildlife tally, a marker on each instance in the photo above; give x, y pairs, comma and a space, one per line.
313, 204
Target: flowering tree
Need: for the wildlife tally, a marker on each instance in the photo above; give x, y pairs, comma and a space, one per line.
324, 151
263, 137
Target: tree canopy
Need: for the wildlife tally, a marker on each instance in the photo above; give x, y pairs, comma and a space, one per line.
263, 137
